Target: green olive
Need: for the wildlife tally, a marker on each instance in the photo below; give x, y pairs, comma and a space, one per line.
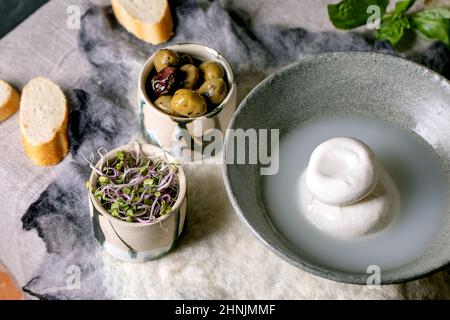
191, 76
212, 70
164, 58
188, 103
214, 90
163, 103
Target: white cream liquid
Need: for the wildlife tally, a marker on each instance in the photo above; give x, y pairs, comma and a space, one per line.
407, 159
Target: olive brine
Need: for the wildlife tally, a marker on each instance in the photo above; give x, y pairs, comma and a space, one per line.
182, 86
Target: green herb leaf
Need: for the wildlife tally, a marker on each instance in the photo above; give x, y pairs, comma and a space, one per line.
126, 190
349, 14
88, 184
433, 23
392, 28
143, 170
119, 165
402, 6
115, 205
120, 155
103, 179
165, 209
130, 212
98, 193
149, 182
119, 180
115, 213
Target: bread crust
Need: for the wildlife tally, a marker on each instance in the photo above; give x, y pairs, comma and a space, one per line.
11, 106
9, 289
154, 33
53, 151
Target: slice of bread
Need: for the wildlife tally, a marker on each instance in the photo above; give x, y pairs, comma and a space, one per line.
9, 100
148, 20
43, 122
8, 288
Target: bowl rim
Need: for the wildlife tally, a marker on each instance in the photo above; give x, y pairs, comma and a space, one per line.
327, 273
144, 72
154, 149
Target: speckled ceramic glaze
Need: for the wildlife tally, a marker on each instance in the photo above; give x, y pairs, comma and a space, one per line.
138, 242
166, 131
350, 84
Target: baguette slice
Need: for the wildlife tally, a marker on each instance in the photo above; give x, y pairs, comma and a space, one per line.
43, 122
8, 288
9, 100
148, 20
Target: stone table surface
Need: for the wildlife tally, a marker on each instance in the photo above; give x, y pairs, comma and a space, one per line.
218, 257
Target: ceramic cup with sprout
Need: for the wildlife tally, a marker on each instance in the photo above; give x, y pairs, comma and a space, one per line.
133, 241
177, 134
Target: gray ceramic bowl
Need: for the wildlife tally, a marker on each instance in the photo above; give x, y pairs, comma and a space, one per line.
376, 85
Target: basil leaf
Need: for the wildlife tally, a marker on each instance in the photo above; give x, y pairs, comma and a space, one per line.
349, 14
434, 23
392, 28
403, 6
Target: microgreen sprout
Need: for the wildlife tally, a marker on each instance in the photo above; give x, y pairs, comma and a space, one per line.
133, 187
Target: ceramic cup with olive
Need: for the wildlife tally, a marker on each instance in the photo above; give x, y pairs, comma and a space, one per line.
185, 91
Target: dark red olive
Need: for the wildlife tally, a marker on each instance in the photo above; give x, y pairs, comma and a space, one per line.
164, 81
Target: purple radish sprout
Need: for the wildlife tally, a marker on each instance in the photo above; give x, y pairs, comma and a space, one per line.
133, 187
